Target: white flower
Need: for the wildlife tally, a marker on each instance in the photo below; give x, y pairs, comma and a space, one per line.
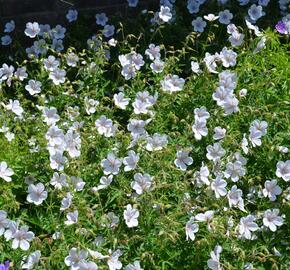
75, 257
32, 260
165, 14
211, 17
5, 172
36, 193
21, 238
219, 133
72, 218
228, 57
234, 170
113, 261
105, 181
105, 126
156, 142
142, 182
59, 181
58, 32
72, 15
235, 198
131, 216
32, 29
87, 266
33, 87
205, 217
77, 183
215, 152
66, 202
195, 67
57, 76
283, 170
50, 116
131, 161
153, 52
14, 106
214, 262
134, 266
50, 63
157, 66
111, 164
172, 83
199, 128
218, 186
3, 222
272, 220
236, 39
201, 114
247, 226
183, 160
91, 105
271, 190
72, 59
121, 101
21, 73
198, 24
204, 174
190, 229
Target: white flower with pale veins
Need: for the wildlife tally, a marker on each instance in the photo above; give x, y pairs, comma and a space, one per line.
272, 220
22, 237
57, 76
283, 170
33, 87
131, 215
134, 266
3, 221
77, 183
72, 218
156, 142
219, 133
87, 266
142, 182
32, 29
234, 170
31, 261
172, 83
235, 198
14, 106
190, 229
66, 202
183, 160
5, 172
214, 262
113, 261
58, 181
75, 257
105, 181
199, 129
121, 101
219, 187
36, 193
247, 226
131, 161
205, 217
215, 152
165, 14
271, 190
111, 164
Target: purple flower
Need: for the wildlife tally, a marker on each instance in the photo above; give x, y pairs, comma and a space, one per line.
281, 28
5, 266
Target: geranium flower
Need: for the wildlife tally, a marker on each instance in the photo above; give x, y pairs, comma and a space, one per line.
5, 172
131, 215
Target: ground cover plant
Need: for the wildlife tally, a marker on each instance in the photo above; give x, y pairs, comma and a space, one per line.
154, 142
